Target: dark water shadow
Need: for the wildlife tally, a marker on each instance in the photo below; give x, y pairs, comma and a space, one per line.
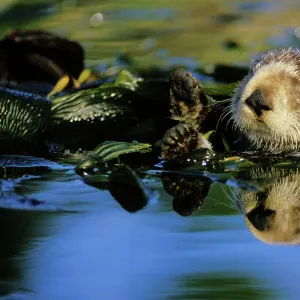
21, 13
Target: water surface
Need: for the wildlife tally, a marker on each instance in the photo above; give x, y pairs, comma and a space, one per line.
79, 243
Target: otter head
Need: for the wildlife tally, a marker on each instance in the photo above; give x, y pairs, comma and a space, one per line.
273, 215
266, 106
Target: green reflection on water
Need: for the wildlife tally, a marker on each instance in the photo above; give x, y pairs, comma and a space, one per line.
221, 201
219, 286
151, 32
200, 30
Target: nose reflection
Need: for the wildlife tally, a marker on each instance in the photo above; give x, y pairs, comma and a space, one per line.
257, 102
260, 217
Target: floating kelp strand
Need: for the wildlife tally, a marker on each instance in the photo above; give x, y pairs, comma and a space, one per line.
103, 111
23, 115
102, 96
68, 101
88, 95
107, 151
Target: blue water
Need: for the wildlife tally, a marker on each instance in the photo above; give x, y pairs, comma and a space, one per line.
63, 239
91, 248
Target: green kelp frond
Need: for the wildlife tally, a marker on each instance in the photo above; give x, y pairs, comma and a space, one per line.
106, 101
110, 150
23, 115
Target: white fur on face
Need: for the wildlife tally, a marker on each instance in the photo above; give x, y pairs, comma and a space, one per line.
278, 129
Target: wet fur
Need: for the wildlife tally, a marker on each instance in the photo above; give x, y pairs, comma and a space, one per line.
277, 75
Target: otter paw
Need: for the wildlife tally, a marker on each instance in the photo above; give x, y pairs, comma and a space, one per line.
189, 103
182, 139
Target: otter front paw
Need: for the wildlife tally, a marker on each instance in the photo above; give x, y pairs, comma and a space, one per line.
189, 103
182, 139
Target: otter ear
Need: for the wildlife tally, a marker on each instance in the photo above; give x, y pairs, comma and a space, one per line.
182, 139
260, 217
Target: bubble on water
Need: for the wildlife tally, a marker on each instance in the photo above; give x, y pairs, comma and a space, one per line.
209, 69
96, 20
149, 44
297, 32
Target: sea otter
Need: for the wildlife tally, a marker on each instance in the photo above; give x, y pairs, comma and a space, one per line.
273, 214
263, 113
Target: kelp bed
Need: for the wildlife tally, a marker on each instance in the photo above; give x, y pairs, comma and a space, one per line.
89, 207
106, 122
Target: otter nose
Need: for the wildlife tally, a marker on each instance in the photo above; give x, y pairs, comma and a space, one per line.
260, 216
257, 102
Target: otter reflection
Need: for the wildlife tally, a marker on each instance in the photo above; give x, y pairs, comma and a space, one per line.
271, 211
272, 214
268, 197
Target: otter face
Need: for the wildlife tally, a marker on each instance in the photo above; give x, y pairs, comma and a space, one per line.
266, 106
273, 216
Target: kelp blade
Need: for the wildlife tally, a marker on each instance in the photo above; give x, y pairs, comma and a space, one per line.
106, 102
23, 115
110, 150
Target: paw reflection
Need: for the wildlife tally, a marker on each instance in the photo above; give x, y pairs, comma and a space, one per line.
189, 193
271, 210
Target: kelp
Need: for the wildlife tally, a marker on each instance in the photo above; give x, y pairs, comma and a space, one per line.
112, 110
109, 151
106, 101
123, 183
124, 84
124, 102
24, 115
102, 103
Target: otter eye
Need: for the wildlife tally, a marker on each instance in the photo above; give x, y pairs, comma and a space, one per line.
257, 102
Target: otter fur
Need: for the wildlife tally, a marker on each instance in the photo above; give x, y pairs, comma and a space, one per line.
264, 110
266, 105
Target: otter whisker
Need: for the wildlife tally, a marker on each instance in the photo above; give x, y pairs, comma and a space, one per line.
230, 195
217, 103
224, 112
230, 119
223, 116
